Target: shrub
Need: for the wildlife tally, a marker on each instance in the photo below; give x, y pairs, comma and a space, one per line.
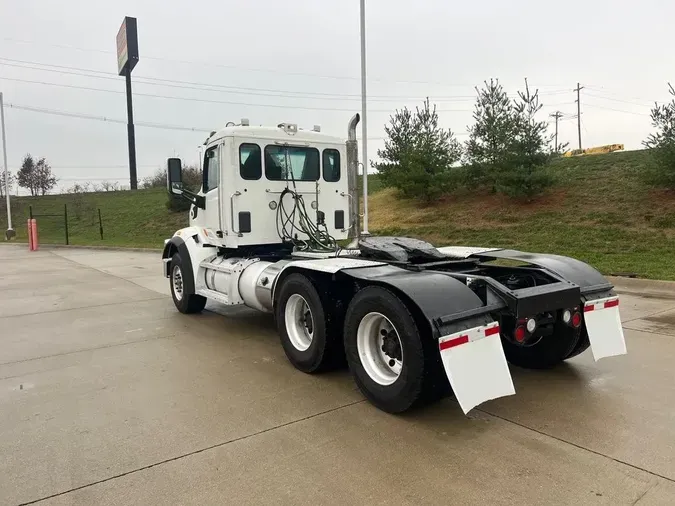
661, 145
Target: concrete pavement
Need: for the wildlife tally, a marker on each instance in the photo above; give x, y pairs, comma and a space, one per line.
109, 396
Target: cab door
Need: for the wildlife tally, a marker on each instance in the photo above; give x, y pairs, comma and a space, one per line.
210, 185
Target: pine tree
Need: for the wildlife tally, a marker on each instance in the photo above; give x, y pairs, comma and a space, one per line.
491, 135
523, 171
418, 154
661, 144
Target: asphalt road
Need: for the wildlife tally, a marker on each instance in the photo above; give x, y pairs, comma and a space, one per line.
108, 396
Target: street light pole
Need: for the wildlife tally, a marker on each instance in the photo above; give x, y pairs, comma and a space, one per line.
364, 118
10, 231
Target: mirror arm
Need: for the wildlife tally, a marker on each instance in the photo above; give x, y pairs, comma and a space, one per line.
197, 200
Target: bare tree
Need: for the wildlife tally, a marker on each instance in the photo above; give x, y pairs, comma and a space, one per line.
36, 177
110, 186
45, 180
26, 175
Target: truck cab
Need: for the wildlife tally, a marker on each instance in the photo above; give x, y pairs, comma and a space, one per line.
251, 175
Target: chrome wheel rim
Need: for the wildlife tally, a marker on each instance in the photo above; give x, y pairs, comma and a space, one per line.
177, 282
299, 322
380, 348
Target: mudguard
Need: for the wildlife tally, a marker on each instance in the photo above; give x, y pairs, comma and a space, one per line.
435, 294
576, 271
475, 364
193, 245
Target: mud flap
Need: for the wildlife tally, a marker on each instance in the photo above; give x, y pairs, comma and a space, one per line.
603, 324
476, 366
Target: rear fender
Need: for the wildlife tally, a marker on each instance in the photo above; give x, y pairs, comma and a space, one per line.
434, 295
570, 269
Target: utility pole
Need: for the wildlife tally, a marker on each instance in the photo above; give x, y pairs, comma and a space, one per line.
10, 231
578, 101
364, 119
557, 115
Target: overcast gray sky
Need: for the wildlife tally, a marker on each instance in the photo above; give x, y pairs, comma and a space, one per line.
298, 61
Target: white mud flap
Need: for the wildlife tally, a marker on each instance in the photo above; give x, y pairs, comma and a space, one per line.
604, 327
476, 366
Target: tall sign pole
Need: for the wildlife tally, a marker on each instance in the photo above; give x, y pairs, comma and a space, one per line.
364, 118
10, 231
127, 58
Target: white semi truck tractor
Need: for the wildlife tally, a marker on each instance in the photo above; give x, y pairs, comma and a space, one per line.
275, 227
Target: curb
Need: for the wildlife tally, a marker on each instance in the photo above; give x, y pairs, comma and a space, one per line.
640, 285
95, 248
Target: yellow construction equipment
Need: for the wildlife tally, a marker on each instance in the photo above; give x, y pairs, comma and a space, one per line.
598, 150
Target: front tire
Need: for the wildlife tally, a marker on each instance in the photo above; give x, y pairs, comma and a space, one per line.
308, 341
393, 365
183, 288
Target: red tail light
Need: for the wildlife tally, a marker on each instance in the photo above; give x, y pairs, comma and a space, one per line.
576, 320
519, 334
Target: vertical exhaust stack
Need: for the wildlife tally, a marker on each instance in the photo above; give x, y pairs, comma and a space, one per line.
353, 182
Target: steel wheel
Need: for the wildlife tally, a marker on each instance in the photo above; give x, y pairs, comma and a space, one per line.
299, 322
380, 349
177, 281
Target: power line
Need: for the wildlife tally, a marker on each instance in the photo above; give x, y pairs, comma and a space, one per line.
95, 167
642, 104
636, 100
172, 83
616, 110
235, 67
103, 118
207, 101
121, 121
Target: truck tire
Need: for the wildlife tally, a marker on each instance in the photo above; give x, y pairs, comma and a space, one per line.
545, 354
582, 344
309, 343
183, 287
393, 365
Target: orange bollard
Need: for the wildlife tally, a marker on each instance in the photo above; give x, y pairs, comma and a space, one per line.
32, 235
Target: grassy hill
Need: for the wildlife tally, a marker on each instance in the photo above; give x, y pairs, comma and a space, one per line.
134, 219
599, 211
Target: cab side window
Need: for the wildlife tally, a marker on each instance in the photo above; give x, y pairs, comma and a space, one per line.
211, 174
250, 162
331, 165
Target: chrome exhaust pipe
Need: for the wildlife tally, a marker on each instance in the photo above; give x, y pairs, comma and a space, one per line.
353, 182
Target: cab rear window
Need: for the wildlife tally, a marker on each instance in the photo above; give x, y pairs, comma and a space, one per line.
291, 163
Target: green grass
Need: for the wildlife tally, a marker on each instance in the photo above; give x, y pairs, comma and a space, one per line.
131, 219
600, 211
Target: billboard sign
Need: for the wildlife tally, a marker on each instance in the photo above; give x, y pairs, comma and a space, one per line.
127, 46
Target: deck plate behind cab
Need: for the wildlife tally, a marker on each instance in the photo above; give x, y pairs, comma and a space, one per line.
464, 251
